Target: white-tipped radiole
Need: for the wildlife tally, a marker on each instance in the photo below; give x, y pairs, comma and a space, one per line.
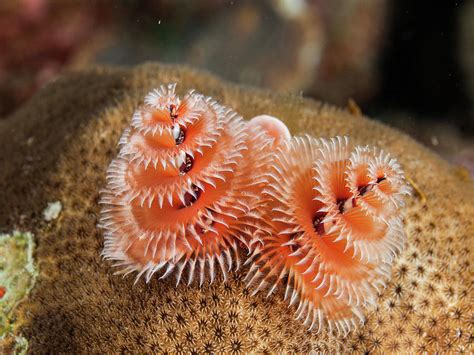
334, 234
183, 192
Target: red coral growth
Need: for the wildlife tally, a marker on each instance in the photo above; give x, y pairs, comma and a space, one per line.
335, 212
38, 38
184, 191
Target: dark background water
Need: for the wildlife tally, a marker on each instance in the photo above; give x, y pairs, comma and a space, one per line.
407, 63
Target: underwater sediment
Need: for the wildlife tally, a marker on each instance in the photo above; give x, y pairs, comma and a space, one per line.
58, 147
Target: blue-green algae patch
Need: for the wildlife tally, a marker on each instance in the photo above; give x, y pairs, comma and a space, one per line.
17, 277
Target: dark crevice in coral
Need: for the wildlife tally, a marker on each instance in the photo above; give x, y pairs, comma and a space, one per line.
363, 189
181, 136
173, 112
340, 204
318, 222
187, 165
189, 198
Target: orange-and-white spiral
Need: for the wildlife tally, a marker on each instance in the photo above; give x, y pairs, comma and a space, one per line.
336, 227
184, 191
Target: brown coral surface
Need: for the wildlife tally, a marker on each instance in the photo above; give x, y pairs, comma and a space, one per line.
58, 147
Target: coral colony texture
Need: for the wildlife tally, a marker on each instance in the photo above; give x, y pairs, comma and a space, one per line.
184, 189
337, 226
58, 148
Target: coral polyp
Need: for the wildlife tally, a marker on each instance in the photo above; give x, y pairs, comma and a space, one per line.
182, 193
336, 219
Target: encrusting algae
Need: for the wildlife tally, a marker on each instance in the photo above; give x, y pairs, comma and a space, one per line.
78, 305
17, 277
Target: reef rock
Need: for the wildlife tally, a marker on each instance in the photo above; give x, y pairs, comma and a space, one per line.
57, 148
